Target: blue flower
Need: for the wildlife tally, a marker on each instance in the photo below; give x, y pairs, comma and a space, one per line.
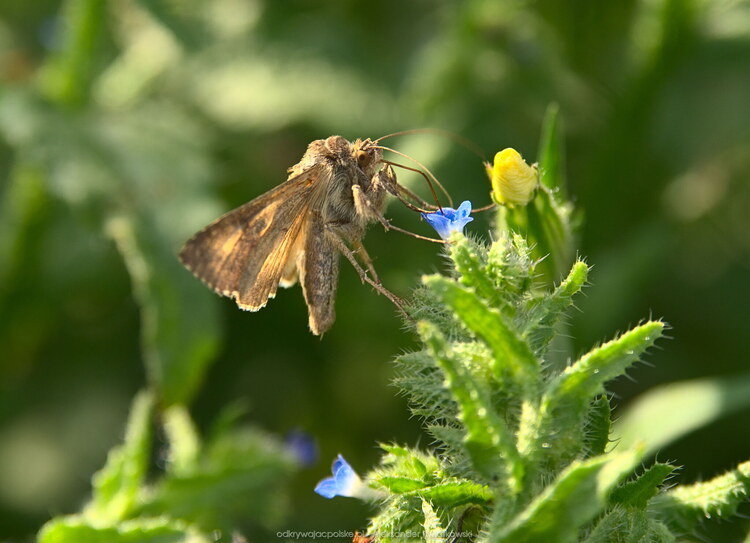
345, 482
302, 446
449, 220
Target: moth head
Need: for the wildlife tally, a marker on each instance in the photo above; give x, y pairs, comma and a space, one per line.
366, 155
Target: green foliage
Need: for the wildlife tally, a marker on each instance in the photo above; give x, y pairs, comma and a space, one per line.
235, 480
683, 507
77, 530
528, 436
122, 174
509, 420
116, 486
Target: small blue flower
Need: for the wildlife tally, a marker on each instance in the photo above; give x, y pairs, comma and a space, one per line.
345, 482
449, 220
302, 446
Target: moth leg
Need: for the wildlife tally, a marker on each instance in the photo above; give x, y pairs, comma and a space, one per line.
341, 246
359, 248
366, 208
386, 179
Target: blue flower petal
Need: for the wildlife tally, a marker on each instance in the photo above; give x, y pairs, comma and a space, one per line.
345, 481
449, 220
328, 488
464, 210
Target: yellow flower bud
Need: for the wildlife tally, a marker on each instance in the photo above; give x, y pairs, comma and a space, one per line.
513, 181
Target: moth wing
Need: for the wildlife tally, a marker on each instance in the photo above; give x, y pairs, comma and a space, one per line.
242, 254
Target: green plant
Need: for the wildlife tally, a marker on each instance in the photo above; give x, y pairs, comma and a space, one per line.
206, 489
524, 449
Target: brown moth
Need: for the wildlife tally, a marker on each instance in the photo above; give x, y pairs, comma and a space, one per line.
297, 230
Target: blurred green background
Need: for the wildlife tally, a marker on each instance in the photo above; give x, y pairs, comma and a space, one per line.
127, 125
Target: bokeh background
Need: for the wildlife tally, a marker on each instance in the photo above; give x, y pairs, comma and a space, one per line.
133, 123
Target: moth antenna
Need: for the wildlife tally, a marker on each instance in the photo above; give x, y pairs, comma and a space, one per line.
413, 195
466, 143
493, 205
424, 168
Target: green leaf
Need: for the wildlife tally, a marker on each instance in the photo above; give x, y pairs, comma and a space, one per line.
545, 312
598, 426
510, 266
489, 442
76, 529
627, 525
512, 354
566, 400
576, 497
433, 531
470, 263
184, 441
178, 341
400, 485
116, 485
404, 463
685, 506
637, 493
67, 76
550, 232
586, 377
669, 412
240, 475
450, 494
551, 153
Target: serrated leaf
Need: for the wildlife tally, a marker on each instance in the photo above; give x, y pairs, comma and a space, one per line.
637, 493
586, 377
669, 412
400, 485
489, 442
116, 485
545, 312
456, 493
629, 525
403, 515
598, 426
511, 354
565, 402
471, 265
576, 497
76, 529
685, 506
433, 531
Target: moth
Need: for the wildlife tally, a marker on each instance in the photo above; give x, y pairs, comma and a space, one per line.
296, 231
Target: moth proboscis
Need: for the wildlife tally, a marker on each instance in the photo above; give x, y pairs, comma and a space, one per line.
296, 231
